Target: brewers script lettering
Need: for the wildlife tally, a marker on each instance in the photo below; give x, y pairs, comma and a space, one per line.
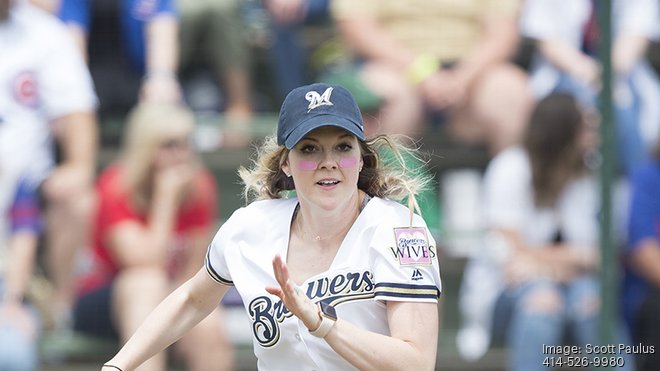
266, 314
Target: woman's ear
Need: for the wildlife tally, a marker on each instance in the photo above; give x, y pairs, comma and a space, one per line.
286, 169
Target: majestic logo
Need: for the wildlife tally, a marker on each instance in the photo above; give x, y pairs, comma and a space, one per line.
316, 100
266, 314
412, 247
417, 275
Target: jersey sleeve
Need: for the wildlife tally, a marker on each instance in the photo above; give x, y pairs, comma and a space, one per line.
216, 261
404, 262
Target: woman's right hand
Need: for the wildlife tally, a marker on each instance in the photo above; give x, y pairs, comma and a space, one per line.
172, 182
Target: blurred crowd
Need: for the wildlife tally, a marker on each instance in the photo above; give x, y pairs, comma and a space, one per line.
518, 78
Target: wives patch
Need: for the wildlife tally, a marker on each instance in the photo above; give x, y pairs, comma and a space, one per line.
412, 246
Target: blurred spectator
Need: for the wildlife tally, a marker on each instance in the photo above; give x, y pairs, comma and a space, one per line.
212, 36
133, 50
48, 93
641, 293
536, 276
288, 51
157, 210
451, 58
565, 35
19, 230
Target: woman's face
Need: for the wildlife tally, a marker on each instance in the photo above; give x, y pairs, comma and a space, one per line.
325, 166
173, 150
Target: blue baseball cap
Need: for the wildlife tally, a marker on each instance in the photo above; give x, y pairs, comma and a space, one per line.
312, 106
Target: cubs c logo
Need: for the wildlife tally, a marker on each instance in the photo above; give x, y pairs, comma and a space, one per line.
26, 90
315, 99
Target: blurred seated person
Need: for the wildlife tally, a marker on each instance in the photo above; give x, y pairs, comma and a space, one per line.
48, 101
641, 293
440, 60
536, 274
131, 46
157, 210
565, 36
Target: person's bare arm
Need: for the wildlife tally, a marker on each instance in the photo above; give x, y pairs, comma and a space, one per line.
499, 42
77, 134
372, 42
133, 243
561, 262
627, 51
162, 50
645, 260
178, 313
22, 255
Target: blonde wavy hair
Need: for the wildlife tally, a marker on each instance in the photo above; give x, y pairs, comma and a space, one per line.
148, 126
386, 173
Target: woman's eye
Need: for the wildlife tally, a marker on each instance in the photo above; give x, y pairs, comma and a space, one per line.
344, 147
307, 148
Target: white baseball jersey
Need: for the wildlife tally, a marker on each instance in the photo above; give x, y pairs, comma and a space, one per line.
381, 258
42, 77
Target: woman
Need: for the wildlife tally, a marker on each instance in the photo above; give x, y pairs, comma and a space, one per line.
338, 277
537, 273
157, 208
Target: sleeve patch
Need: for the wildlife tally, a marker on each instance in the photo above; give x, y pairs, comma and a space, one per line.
412, 246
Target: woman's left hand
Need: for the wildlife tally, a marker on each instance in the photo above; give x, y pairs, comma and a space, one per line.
293, 297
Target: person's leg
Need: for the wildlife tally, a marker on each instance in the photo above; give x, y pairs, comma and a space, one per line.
68, 224
230, 56
648, 332
582, 307
401, 110
193, 20
490, 116
536, 321
205, 347
136, 292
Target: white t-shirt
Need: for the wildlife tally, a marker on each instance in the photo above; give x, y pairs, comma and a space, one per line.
42, 77
380, 259
509, 203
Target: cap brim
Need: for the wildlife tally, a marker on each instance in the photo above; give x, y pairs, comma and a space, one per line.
316, 122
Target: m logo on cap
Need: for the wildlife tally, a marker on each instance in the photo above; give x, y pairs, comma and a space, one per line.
316, 100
